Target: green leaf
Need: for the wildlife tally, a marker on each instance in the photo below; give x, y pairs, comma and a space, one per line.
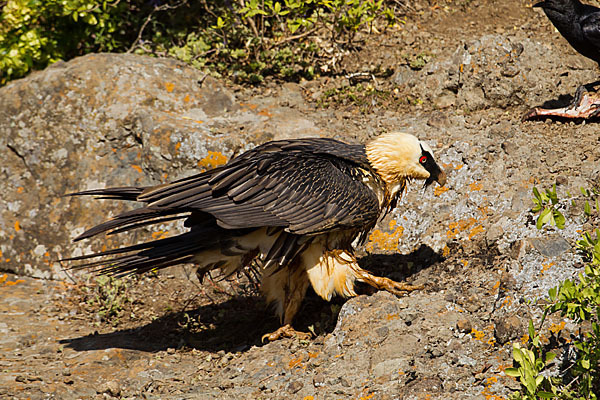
587, 209
559, 219
585, 363
546, 395
531, 329
514, 372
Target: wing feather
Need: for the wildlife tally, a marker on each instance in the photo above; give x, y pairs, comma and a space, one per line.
304, 186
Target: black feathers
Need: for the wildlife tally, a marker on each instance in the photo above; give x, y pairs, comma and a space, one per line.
578, 23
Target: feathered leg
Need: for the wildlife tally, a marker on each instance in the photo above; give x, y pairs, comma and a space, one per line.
286, 289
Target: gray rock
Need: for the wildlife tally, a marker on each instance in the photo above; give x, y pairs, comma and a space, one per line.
111, 120
551, 245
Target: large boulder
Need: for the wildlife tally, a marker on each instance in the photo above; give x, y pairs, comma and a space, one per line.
110, 120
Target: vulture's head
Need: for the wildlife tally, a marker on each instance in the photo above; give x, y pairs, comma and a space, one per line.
398, 157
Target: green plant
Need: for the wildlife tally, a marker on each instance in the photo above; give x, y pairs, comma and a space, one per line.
110, 295
547, 202
532, 361
36, 33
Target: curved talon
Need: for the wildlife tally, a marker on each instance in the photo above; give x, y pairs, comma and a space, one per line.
285, 331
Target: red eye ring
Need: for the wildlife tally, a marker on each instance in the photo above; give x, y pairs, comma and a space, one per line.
423, 159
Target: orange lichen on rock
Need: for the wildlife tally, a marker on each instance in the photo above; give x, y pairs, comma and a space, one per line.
212, 160
555, 328
159, 235
463, 225
477, 229
439, 190
137, 168
474, 187
546, 267
384, 240
295, 362
169, 86
17, 226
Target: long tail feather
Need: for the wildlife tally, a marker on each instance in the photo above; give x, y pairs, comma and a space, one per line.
117, 193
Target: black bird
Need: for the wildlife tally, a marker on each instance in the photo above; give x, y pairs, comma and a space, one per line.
294, 207
578, 23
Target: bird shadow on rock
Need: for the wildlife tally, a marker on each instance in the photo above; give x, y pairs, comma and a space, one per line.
400, 266
238, 323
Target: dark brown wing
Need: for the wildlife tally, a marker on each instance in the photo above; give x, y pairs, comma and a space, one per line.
304, 186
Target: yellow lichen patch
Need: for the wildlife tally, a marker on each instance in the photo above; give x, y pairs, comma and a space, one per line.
265, 113
384, 240
484, 210
295, 362
446, 251
524, 339
496, 285
308, 398
474, 187
137, 168
20, 189
271, 364
313, 355
186, 98
212, 160
17, 226
464, 262
454, 228
546, 267
390, 317
475, 231
159, 235
555, 328
177, 146
169, 86
248, 106
507, 302
487, 391
3, 278
12, 283
477, 335
439, 190
367, 397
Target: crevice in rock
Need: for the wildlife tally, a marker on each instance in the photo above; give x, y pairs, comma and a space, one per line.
16, 152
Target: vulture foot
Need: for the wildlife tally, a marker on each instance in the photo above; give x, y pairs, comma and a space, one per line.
286, 331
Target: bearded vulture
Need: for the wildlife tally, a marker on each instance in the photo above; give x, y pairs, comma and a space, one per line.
292, 207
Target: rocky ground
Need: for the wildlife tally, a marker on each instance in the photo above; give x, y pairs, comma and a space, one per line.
473, 244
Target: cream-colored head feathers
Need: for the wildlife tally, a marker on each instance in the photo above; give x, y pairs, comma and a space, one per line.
395, 157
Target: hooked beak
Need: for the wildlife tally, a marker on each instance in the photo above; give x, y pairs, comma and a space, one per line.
438, 175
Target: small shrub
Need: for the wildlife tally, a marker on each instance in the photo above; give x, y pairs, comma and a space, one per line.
578, 300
